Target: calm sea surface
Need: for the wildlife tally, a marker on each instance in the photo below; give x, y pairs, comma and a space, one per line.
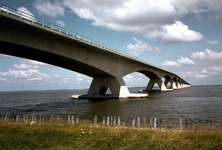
194, 102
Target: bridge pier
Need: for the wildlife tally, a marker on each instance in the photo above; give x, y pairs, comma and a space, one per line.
185, 85
159, 82
178, 85
172, 84
99, 87
117, 86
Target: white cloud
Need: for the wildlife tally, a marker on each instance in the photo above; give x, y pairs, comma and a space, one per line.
22, 11
48, 9
177, 32
27, 70
207, 55
139, 47
24, 67
201, 9
204, 71
65, 78
55, 76
152, 19
2, 79
179, 62
170, 63
218, 69
25, 10
61, 23
136, 79
212, 42
79, 77
30, 74
128, 78
25, 13
197, 75
185, 61
211, 72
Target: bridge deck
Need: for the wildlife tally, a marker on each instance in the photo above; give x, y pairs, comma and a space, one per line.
27, 36
66, 35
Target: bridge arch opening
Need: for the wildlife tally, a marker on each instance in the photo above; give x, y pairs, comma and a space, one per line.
156, 87
136, 79
167, 81
26, 74
148, 80
105, 91
175, 81
154, 82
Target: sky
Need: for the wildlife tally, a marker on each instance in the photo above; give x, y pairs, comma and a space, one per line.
182, 36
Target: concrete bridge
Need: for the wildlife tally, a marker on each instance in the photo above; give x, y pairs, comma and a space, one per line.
29, 37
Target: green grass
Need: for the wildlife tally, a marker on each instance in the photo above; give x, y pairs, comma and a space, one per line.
79, 136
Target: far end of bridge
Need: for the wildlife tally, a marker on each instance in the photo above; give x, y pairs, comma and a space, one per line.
119, 90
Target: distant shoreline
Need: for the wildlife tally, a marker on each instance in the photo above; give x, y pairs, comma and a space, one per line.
87, 89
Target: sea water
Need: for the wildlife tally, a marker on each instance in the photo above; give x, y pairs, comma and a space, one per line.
204, 102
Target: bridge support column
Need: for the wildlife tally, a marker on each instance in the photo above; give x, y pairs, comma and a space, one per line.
99, 87
172, 84
178, 85
159, 82
181, 85
186, 85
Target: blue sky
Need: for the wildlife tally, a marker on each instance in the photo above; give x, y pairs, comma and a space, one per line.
182, 36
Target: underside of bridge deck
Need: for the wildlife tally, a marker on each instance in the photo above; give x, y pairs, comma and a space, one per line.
28, 39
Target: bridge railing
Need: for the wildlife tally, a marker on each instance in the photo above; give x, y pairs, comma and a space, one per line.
50, 26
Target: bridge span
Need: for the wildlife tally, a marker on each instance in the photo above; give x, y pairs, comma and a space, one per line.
27, 36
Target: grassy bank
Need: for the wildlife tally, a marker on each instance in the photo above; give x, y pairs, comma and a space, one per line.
77, 136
